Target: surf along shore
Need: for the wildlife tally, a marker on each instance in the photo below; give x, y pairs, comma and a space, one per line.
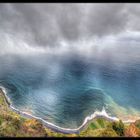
55, 128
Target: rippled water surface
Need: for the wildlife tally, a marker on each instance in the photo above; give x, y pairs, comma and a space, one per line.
65, 91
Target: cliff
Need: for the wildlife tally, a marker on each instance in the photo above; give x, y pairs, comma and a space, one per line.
14, 125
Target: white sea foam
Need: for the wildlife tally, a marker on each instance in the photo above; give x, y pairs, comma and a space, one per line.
96, 114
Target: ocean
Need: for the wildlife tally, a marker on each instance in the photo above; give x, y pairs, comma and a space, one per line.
65, 89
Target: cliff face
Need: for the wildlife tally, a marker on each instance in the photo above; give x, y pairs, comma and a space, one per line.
14, 125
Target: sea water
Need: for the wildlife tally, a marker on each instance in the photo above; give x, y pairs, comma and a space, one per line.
64, 90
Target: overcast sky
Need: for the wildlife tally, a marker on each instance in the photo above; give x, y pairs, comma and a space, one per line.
43, 27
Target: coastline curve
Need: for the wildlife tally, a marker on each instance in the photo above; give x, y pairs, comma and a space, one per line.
96, 114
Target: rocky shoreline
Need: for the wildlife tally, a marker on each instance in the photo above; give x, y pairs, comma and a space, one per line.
53, 127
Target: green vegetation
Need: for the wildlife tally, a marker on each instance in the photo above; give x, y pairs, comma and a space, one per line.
137, 123
98, 128
14, 125
118, 127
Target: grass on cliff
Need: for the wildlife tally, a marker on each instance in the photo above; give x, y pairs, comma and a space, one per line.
14, 125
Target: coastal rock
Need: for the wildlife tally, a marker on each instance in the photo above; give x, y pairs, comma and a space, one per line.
132, 131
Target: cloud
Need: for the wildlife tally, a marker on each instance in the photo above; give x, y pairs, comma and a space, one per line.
94, 30
48, 24
105, 19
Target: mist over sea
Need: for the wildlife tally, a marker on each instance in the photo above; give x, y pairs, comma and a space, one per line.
64, 89
63, 62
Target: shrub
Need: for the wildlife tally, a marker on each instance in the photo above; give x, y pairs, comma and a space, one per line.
137, 123
118, 127
102, 132
101, 122
106, 132
1, 120
92, 126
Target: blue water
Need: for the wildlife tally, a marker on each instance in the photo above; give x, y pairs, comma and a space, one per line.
66, 89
